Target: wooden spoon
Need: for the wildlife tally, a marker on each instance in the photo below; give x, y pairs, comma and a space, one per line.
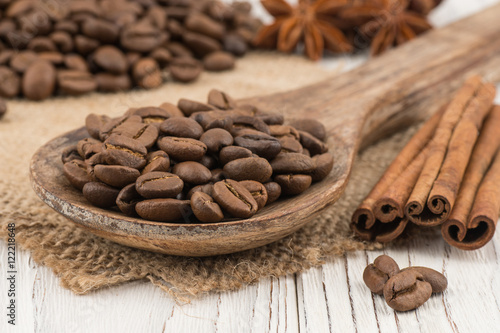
357, 107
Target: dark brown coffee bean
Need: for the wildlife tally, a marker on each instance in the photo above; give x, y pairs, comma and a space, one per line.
67, 26
88, 147
285, 163
100, 194
103, 31
152, 115
41, 44
62, 40
22, 60
76, 173
312, 144
85, 45
323, 166
284, 131
249, 168
192, 172
234, 198
157, 17
188, 107
108, 127
290, 145
164, 210
143, 133
178, 50
94, 123
112, 83
124, 151
261, 144
213, 119
248, 122
257, 190
39, 80
127, 199
162, 56
73, 82
181, 127
218, 175
219, 11
157, 161
158, 184
407, 291
185, 69
116, 175
293, 184
146, 73
200, 44
208, 161
309, 125
141, 37
273, 191
55, 58
200, 23
235, 44
110, 59
216, 139
271, 118
92, 161
69, 153
377, 274
220, 100
218, 61
205, 208
10, 83
182, 149
206, 188
76, 61
230, 153
171, 109
437, 280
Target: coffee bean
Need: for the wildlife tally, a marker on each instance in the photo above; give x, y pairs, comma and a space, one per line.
107, 128
100, 195
141, 37
189, 107
157, 17
85, 45
88, 147
218, 61
249, 168
257, 190
145, 134
292, 163
261, 144
206, 188
203, 24
127, 199
41, 44
234, 198
182, 149
437, 280
230, 153
293, 184
185, 69
55, 58
152, 115
181, 127
62, 40
110, 59
312, 144
69, 153
273, 191
112, 83
146, 73
164, 210
103, 31
3, 108
213, 119
205, 208
76, 173
290, 145
124, 151
407, 291
241, 122
162, 56
216, 139
178, 50
75, 61
67, 26
22, 60
171, 109
271, 118
157, 161
377, 274
200, 44
235, 44
192, 172
116, 175
284, 131
309, 125
158, 184
74, 82
220, 100
39, 80
10, 82
323, 166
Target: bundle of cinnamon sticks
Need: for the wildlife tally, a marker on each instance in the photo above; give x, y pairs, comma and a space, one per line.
447, 175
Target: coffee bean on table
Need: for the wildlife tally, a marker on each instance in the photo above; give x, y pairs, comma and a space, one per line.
156, 161
407, 290
230, 153
75, 82
377, 274
216, 139
234, 198
181, 127
218, 61
437, 280
249, 168
110, 59
182, 149
22, 60
100, 194
39, 80
192, 172
158, 184
146, 73
107, 82
164, 210
185, 69
188, 107
205, 208
220, 100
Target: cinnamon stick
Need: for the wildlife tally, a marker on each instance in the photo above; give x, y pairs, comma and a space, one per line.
454, 138
466, 230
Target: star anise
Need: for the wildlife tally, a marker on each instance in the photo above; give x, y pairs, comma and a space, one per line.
310, 22
386, 22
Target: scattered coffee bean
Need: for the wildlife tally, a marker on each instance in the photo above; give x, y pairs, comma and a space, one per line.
437, 280
377, 274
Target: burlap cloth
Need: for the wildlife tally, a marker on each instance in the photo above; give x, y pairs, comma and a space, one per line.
85, 262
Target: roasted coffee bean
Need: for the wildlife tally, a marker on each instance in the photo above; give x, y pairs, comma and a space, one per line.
208, 161
249, 168
189, 107
62, 41
218, 175
205, 208
112, 83
216, 139
182, 149
143, 133
76, 173
107, 128
100, 195
290, 145
235, 44
231, 153
213, 119
261, 144
164, 210
124, 151
185, 69
88, 147
146, 73
271, 118
110, 59
309, 125
39, 80
55, 58
312, 144
203, 24
103, 31
206, 188
127, 199
141, 37
241, 122
10, 83
437, 280
192, 172
273, 191
257, 190
116, 175
151, 115
162, 56
158, 184
323, 166
76, 61
293, 184
407, 290
377, 274
92, 161
85, 45
292, 163
69, 153
181, 127
220, 100
178, 50
157, 161
234, 198
74, 82
200, 44
218, 61
22, 60
41, 44
3, 109
171, 109
284, 131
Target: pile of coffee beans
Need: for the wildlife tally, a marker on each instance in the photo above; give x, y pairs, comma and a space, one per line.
405, 289
196, 162
73, 47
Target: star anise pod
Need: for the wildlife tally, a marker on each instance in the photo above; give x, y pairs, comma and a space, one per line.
386, 23
310, 22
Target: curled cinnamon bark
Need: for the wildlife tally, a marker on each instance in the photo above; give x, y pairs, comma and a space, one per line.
473, 219
435, 191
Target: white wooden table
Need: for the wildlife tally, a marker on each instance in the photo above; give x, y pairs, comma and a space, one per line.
329, 298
